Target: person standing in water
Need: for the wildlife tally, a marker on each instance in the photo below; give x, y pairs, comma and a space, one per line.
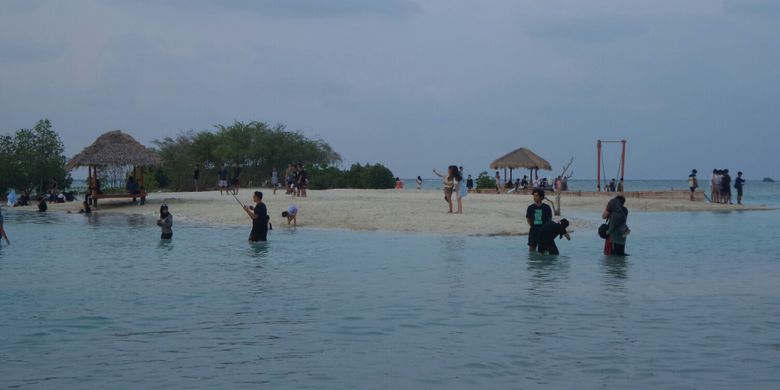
165, 222
617, 214
259, 215
549, 232
537, 214
2, 229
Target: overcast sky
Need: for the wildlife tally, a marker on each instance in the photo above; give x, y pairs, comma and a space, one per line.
413, 84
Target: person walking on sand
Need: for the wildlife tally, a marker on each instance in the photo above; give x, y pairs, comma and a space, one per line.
165, 222
693, 184
222, 179
448, 185
469, 184
3, 234
196, 176
303, 180
537, 214
739, 182
259, 215
617, 215
274, 179
419, 182
236, 180
498, 183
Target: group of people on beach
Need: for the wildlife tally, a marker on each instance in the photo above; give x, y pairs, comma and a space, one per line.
560, 183
295, 177
720, 186
453, 187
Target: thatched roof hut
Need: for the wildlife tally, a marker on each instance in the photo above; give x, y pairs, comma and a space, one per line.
115, 148
521, 158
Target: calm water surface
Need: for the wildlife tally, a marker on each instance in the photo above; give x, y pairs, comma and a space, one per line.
99, 302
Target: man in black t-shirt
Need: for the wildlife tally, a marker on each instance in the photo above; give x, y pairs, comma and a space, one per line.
738, 183
537, 215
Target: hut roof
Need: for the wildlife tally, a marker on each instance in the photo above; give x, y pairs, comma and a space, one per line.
115, 148
521, 158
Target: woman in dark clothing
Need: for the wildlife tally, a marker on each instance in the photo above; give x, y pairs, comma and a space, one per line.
165, 223
617, 214
259, 215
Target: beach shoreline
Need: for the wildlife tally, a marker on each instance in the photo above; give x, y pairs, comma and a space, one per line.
411, 211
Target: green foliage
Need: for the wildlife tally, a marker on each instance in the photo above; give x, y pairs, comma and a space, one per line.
375, 176
485, 182
30, 158
256, 146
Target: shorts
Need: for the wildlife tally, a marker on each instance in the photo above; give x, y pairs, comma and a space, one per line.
447, 191
693, 189
166, 236
234, 182
223, 183
739, 193
535, 236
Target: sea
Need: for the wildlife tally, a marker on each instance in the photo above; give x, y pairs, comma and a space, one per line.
100, 302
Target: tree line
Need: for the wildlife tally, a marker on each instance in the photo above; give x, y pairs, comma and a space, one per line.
30, 158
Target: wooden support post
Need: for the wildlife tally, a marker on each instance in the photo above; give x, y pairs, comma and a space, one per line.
598, 165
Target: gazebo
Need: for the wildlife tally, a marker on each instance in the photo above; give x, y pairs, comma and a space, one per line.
115, 148
520, 158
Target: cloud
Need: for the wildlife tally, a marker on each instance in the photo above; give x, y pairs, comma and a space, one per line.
587, 30
303, 8
753, 7
30, 52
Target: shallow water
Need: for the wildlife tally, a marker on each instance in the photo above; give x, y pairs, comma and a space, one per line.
100, 302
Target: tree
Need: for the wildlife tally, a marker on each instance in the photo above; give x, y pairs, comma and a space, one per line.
256, 146
31, 158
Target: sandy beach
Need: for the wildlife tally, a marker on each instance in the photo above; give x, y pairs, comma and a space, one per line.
391, 210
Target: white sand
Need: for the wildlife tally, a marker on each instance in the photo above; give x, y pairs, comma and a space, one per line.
394, 210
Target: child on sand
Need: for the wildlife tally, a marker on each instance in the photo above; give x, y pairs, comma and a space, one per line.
165, 223
291, 214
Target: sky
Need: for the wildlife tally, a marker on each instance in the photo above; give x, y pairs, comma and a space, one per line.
413, 85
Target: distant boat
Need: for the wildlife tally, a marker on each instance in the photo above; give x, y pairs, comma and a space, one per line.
768, 180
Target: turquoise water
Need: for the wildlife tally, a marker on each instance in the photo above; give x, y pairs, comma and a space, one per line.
99, 302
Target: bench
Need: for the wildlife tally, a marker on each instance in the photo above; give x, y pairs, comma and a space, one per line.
141, 194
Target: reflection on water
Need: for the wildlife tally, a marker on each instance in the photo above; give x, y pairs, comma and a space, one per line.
615, 272
546, 272
102, 302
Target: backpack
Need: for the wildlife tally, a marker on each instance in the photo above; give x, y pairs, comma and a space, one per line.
603, 231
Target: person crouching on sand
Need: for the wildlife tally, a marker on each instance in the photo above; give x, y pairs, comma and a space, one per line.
165, 223
259, 215
291, 214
